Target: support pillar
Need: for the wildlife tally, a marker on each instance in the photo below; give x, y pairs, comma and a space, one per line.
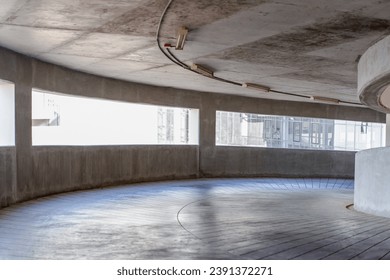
388, 130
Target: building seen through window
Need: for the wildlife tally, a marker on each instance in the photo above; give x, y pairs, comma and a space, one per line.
242, 129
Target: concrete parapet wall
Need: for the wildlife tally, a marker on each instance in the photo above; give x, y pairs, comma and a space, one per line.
245, 161
59, 169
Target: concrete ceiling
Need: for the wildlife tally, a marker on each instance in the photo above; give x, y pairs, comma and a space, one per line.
308, 47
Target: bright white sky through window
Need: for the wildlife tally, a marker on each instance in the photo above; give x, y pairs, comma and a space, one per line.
7, 114
69, 120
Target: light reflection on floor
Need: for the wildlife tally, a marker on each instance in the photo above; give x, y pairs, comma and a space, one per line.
197, 219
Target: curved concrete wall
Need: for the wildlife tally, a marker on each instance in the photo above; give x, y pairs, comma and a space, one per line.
245, 161
372, 177
31, 172
374, 75
372, 181
59, 169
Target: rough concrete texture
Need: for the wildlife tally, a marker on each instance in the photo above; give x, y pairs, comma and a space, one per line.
388, 130
7, 176
297, 48
144, 19
59, 79
39, 171
58, 169
374, 75
291, 108
64, 15
245, 162
308, 47
372, 187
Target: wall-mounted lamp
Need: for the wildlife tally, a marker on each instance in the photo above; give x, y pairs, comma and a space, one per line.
325, 99
256, 87
181, 38
202, 70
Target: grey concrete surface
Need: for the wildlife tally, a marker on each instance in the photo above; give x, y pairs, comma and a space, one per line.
197, 219
374, 76
51, 77
23, 127
7, 175
372, 181
60, 169
388, 130
38, 170
307, 47
222, 161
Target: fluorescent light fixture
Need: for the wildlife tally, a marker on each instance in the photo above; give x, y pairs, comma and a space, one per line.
202, 70
181, 37
256, 87
325, 99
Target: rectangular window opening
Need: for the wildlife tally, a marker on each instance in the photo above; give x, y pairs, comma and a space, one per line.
7, 114
296, 132
59, 119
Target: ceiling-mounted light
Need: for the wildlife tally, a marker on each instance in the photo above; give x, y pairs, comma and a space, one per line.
202, 70
181, 38
256, 87
325, 99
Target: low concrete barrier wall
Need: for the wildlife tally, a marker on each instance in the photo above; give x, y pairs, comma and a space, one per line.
7, 175
60, 169
223, 161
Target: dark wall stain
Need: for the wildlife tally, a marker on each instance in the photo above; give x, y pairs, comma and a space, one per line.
341, 76
346, 27
143, 20
290, 49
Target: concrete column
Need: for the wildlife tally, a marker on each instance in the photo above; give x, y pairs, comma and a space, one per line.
388, 130
23, 137
207, 120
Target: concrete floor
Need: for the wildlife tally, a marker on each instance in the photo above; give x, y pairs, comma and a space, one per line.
197, 219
